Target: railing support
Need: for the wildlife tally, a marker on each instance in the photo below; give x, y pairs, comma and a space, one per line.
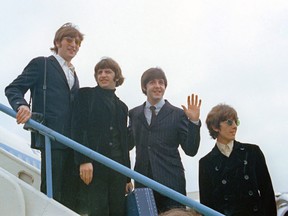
49, 185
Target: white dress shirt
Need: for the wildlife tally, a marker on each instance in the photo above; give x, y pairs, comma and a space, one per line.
225, 149
69, 70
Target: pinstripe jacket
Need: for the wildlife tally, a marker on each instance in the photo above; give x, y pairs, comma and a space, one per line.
158, 145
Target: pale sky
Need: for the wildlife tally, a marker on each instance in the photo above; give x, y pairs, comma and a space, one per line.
227, 51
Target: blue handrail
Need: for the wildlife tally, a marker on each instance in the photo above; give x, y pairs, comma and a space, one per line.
50, 134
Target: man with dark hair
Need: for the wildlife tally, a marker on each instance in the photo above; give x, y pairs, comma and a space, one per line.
53, 84
157, 128
233, 177
100, 123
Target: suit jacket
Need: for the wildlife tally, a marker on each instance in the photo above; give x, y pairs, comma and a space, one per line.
92, 125
59, 97
158, 145
239, 184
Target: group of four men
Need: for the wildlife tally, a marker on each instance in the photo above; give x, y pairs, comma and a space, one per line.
97, 118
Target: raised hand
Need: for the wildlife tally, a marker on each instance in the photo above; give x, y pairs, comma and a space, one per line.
192, 110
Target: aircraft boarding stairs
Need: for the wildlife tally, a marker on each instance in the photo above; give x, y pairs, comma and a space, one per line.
19, 190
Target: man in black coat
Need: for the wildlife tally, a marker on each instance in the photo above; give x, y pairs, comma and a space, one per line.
233, 177
53, 84
157, 136
100, 123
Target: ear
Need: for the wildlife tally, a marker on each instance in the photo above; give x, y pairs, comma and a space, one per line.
58, 44
215, 129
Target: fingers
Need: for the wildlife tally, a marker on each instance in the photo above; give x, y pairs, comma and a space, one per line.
188, 101
86, 177
194, 101
129, 187
86, 173
200, 102
86, 180
23, 114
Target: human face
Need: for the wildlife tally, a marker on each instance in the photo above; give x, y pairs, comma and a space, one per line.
227, 131
68, 47
155, 90
106, 78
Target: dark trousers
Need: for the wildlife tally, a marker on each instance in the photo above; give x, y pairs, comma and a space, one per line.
163, 203
105, 195
63, 176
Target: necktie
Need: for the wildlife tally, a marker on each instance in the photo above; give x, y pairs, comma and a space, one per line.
153, 116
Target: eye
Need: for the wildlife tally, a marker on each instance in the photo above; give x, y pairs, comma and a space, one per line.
229, 122
69, 39
151, 82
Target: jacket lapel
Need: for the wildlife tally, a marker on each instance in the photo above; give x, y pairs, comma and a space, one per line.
164, 112
56, 64
235, 160
141, 115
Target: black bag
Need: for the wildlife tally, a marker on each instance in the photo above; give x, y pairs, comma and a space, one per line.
141, 202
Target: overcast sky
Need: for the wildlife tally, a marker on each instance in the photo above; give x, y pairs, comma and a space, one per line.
229, 51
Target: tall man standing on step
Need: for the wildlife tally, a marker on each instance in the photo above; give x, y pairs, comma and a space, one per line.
54, 102
157, 133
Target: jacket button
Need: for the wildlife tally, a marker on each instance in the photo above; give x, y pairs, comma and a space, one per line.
224, 181
255, 208
110, 128
250, 193
149, 147
216, 168
246, 177
110, 143
245, 162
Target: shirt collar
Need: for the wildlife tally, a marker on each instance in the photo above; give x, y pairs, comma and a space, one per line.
158, 106
223, 147
63, 62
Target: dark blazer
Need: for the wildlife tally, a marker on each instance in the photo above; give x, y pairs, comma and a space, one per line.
158, 144
59, 97
92, 125
238, 185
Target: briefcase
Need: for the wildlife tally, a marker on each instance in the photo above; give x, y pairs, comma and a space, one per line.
141, 202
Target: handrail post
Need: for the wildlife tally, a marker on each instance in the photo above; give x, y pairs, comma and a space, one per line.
49, 186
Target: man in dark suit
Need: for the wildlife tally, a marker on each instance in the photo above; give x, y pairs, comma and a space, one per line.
100, 123
157, 133
233, 177
53, 84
